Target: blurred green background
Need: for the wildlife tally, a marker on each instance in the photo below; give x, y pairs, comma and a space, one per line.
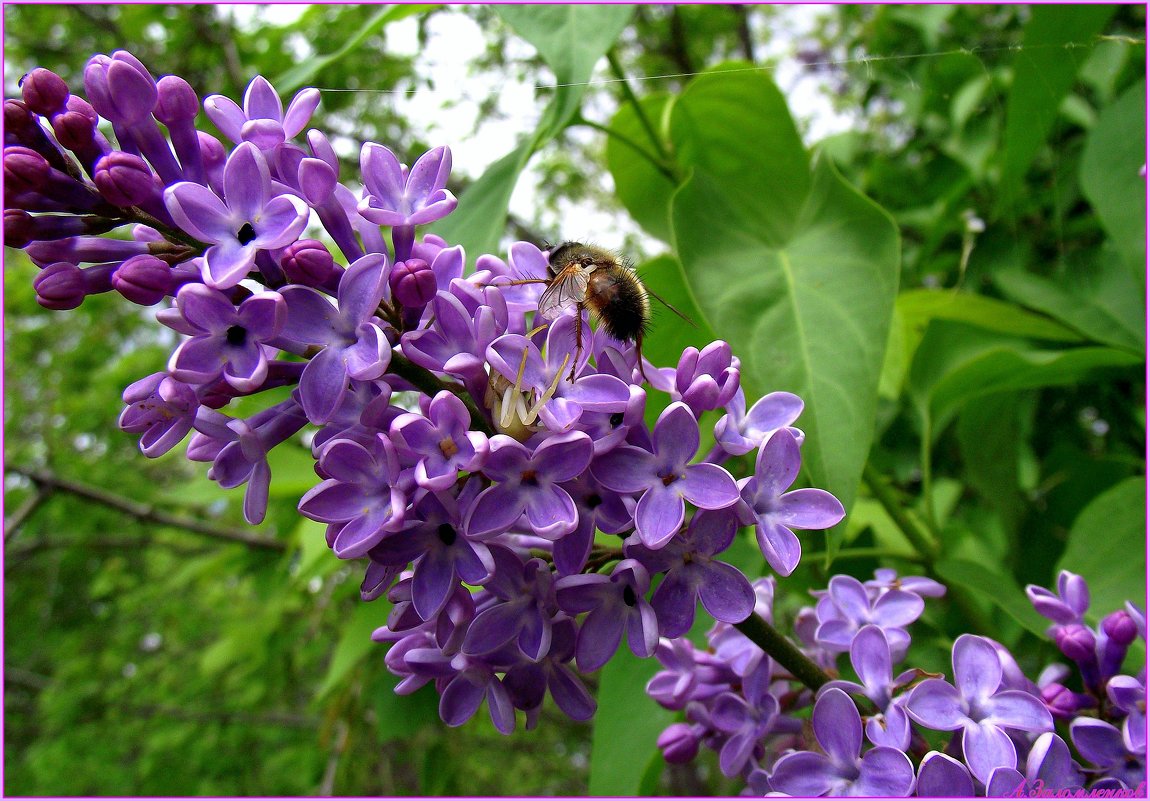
997, 399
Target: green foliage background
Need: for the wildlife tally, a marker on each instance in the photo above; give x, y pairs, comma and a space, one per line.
955, 286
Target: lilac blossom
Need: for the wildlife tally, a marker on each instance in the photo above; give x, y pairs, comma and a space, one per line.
838, 728
1103, 745
395, 196
249, 221
975, 705
847, 607
776, 511
1068, 605
740, 431
614, 604
871, 659
262, 120
665, 478
441, 443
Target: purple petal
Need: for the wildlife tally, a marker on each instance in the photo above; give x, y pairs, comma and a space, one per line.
643, 631
943, 776
495, 511
838, 726
777, 464
708, 486
197, 361
551, 512
625, 469
676, 436
674, 602
804, 773
197, 210
428, 175
809, 509
658, 516
227, 263
247, 182
1006, 783
986, 747
299, 111
261, 100
779, 545
433, 582
280, 222
899, 608
1097, 741
936, 705
323, 385
311, 317
1017, 709
263, 315
599, 638
563, 457
361, 533
977, 671
362, 287
226, 114
726, 593
885, 772
382, 175
850, 596
460, 700
870, 656
332, 501
570, 694
493, 628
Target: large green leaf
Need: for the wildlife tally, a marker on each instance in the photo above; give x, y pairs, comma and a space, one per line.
305, 71
1106, 302
627, 724
643, 189
735, 127
1115, 151
956, 362
571, 39
989, 582
1044, 72
810, 314
1107, 546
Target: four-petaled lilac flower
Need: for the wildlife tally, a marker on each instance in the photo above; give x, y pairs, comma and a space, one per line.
524, 612
978, 707
615, 603
886, 579
694, 574
393, 196
528, 482
442, 441
528, 682
248, 221
847, 607
777, 511
161, 409
747, 721
740, 431
354, 344
871, 659
226, 339
441, 553
362, 501
1103, 745
882, 771
262, 120
665, 478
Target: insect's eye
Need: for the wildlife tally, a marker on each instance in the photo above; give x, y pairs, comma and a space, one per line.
588, 262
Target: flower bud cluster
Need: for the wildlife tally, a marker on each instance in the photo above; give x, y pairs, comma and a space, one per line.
468, 449
1001, 726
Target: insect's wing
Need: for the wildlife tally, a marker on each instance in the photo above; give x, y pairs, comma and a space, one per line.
568, 289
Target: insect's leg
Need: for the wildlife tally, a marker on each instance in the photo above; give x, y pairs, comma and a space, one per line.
639, 353
519, 282
578, 340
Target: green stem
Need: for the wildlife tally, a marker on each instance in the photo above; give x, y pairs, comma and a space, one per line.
425, 380
631, 143
783, 651
864, 553
922, 541
617, 70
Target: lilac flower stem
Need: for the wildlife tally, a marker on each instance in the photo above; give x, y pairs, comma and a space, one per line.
920, 539
425, 380
783, 651
656, 142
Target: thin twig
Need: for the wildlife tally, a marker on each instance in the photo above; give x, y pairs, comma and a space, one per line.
18, 518
147, 513
783, 651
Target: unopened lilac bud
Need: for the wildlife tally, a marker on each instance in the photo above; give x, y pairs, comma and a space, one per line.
1061, 701
18, 118
214, 156
22, 228
144, 279
412, 283
679, 743
44, 91
125, 179
24, 169
60, 286
73, 130
84, 249
120, 88
19, 228
308, 262
1076, 641
1120, 627
176, 100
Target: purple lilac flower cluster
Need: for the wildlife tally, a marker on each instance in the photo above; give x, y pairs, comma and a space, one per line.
455, 454
995, 730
